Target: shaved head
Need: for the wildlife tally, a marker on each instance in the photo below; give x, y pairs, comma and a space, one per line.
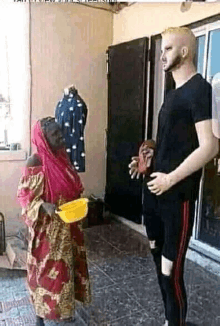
184, 37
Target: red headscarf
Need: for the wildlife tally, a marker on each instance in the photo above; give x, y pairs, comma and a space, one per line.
61, 179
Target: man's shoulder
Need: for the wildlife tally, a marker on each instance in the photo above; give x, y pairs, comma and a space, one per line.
200, 82
198, 88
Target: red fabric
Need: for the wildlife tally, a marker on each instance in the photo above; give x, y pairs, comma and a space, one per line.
41, 251
25, 196
61, 179
54, 308
54, 284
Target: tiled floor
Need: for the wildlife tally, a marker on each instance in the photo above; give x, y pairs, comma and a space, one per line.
124, 286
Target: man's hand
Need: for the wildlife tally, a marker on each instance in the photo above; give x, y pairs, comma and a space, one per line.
160, 184
134, 167
49, 208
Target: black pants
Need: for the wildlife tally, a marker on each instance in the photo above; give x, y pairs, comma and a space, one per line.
169, 223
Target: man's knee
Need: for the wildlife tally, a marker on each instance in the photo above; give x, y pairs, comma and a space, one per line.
166, 266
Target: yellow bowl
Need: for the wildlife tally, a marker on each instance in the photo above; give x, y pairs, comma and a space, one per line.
73, 211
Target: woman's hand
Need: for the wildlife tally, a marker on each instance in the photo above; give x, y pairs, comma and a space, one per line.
148, 154
49, 208
135, 161
133, 171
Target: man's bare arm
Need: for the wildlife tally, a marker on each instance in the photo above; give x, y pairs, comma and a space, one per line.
207, 150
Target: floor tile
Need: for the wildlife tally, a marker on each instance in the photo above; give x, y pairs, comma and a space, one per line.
199, 315
26, 310
148, 264
124, 286
138, 319
110, 304
206, 297
124, 239
122, 268
98, 278
12, 313
76, 322
21, 295
6, 296
9, 305
21, 321
100, 250
145, 290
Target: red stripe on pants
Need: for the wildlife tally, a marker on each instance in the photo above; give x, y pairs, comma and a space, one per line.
179, 262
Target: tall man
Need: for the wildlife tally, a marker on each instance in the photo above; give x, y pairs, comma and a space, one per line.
184, 144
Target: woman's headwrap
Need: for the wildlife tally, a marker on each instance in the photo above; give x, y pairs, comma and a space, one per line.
61, 179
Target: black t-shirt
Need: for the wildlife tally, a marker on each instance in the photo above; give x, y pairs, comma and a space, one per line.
177, 137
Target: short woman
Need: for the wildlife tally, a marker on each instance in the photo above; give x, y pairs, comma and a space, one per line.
57, 271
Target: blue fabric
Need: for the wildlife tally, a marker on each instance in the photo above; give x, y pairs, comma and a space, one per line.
71, 114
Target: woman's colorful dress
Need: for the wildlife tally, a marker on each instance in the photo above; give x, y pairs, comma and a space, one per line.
56, 261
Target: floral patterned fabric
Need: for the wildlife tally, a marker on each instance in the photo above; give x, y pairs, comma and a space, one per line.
56, 261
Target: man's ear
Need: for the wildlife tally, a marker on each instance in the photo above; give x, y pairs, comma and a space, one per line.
185, 51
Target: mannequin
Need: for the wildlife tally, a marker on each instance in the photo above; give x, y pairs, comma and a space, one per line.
71, 115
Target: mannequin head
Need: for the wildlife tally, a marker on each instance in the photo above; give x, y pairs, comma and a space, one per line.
178, 48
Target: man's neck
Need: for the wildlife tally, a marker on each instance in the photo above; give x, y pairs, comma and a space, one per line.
183, 74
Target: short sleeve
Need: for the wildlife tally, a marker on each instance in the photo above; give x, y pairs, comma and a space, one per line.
29, 194
201, 102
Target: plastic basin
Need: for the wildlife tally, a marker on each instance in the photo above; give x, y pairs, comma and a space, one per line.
73, 211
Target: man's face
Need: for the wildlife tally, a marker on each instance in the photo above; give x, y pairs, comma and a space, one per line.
54, 136
171, 52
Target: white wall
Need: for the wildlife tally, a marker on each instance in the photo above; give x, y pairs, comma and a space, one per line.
68, 45
148, 18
